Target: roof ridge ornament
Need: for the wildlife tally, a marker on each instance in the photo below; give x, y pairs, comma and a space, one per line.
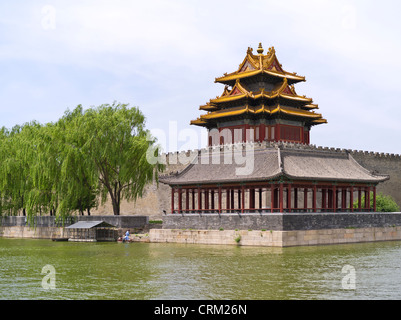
260, 48
272, 50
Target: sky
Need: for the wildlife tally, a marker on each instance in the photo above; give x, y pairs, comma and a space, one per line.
164, 55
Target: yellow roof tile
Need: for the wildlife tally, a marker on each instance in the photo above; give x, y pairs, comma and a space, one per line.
261, 109
260, 64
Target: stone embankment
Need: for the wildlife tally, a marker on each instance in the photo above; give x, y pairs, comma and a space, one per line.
270, 230
279, 229
47, 227
270, 238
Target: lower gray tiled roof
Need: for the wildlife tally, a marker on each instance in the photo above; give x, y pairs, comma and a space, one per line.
271, 163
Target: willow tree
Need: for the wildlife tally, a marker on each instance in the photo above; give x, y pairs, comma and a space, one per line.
4, 133
67, 166
78, 185
15, 176
61, 178
44, 171
112, 141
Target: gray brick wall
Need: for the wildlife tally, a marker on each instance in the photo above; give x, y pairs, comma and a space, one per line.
281, 222
49, 221
383, 164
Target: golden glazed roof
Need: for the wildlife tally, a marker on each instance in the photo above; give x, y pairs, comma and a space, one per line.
265, 96
239, 92
262, 64
315, 118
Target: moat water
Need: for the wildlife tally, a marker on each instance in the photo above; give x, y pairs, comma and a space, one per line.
146, 271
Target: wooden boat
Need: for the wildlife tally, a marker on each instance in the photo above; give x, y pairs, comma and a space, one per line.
123, 240
59, 239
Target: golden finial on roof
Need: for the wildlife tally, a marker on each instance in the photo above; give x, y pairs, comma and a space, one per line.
260, 49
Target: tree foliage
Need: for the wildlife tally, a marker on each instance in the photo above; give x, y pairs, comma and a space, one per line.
384, 203
86, 157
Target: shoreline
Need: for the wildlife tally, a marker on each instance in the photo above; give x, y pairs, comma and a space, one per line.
264, 238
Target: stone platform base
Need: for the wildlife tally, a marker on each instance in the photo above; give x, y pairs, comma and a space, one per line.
282, 221
276, 238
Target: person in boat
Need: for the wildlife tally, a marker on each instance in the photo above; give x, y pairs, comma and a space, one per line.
126, 238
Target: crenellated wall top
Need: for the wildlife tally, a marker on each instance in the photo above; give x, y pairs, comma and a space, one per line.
286, 145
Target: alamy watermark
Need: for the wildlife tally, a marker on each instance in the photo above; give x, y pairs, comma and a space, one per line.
223, 148
48, 21
49, 280
349, 280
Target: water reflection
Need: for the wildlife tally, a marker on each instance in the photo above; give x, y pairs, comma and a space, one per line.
178, 271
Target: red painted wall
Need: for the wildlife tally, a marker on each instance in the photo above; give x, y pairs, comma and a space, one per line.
278, 132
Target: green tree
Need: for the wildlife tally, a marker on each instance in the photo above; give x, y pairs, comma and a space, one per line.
4, 133
15, 176
384, 203
69, 165
112, 143
77, 191
44, 166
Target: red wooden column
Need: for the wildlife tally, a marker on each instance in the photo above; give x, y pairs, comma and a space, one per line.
324, 203
334, 199
246, 137
289, 197
295, 198
219, 199
193, 199
374, 199
281, 195
314, 198
351, 199
277, 132
187, 200
343, 198
337, 199
252, 198
329, 199
367, 198
199, 199
206, 191
232, 199
212, 199
239, 199
172, 199
179, 200
242, 198
306, 199
228, 200
359, 199
262, 132
260, 198
272, 193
